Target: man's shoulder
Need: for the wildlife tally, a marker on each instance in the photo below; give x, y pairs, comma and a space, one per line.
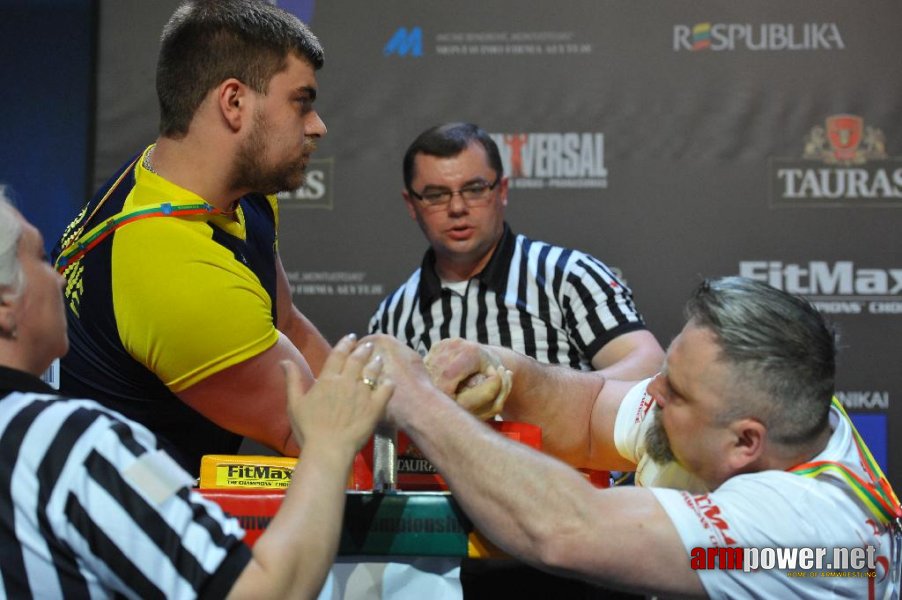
410, 287
569, 254
804, 497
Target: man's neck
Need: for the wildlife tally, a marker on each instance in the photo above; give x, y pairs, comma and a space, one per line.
456, 272
782, 457
454, 268
195, 168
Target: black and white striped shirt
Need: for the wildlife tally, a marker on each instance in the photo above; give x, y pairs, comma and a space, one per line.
90, 506
557, 305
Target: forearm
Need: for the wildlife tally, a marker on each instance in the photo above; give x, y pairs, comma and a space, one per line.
249, 398
557, 399
501, 484
306, 338
296, 327
541, 511
293, 557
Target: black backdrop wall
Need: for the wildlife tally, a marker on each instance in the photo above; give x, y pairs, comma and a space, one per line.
673, 140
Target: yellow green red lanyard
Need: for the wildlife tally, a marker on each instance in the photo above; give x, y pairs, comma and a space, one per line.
877, 494
85, 243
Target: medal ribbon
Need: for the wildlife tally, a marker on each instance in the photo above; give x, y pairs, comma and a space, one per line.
876, 494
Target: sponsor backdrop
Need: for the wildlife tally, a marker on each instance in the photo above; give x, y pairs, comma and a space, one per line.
673, 140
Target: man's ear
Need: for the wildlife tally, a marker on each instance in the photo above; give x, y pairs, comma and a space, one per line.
233, 100
749, 437
504, 186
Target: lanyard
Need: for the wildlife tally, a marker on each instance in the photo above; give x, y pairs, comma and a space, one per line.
77, 249
877, 494
87, 242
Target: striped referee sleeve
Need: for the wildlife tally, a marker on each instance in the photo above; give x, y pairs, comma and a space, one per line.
99, 529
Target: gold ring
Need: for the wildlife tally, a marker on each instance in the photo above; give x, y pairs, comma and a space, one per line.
369, 382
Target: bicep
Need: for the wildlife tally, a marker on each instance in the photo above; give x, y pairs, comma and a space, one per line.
633, 355
603, 453
249, 398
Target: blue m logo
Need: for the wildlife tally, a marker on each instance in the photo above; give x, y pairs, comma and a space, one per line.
405, 42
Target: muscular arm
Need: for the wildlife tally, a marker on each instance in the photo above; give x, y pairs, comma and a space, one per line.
296, 327
249, 398
535, 507
576, 410
631, 356
291, 559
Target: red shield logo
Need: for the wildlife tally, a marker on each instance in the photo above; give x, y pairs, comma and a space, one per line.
844, 133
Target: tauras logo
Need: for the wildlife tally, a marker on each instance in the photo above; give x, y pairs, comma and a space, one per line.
565, 160
718, 37
407, 464
844, 162
819, 278
839, 184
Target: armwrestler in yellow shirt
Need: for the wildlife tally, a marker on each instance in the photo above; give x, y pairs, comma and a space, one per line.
179, 309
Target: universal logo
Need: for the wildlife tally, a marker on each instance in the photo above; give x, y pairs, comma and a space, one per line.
553, 160
843, 163
317, 189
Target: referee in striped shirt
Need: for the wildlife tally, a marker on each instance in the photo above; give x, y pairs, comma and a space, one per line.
480, 281
91, 506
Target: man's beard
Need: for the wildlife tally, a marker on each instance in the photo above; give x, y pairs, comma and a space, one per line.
657, 444
249, 172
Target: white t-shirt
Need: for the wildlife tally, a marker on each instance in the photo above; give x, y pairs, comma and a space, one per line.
769, 509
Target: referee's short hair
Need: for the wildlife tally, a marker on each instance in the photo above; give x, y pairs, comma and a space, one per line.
450, 140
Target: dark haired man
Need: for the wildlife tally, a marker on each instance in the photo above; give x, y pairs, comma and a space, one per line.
178, 306
737, 444
482, 282
92, 507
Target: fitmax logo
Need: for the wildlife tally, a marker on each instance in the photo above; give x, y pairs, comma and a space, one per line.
405, 42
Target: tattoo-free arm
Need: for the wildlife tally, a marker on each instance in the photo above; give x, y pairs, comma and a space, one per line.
296, 327
331, 420
632, 356
533, 506
576, 410
249, 398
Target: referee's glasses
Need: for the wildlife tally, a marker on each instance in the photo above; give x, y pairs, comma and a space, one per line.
474, 194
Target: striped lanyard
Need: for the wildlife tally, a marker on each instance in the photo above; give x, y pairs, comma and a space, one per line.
876, 494
83, 244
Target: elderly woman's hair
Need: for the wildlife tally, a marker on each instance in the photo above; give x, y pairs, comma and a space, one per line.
10, 231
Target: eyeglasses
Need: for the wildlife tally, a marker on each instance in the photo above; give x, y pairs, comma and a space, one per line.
474, 194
